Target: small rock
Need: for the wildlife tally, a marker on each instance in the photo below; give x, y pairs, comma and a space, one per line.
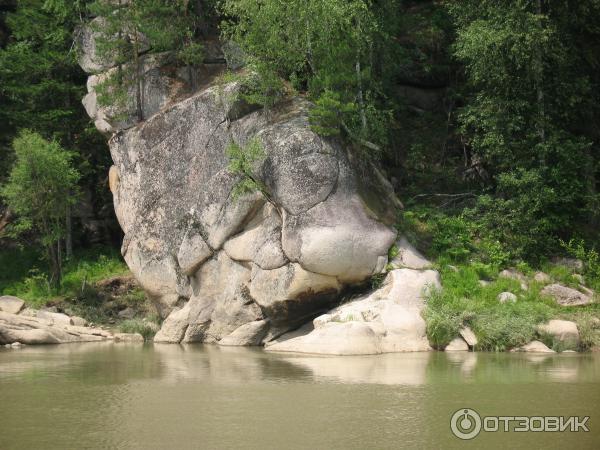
571, 263
469, 337
568, 351
128, 337
534, 347
7, 345
79, 321
504, 297
457, 345
595, 322
484, 283
514, 274
16, 345
10, 304
566, 296
563, 331
452, 268
542, 277
127, 313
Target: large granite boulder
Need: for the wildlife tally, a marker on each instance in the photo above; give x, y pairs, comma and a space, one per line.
223, 261
218, 265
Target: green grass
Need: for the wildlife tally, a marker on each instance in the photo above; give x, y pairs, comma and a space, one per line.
147, 328
464, 302
24, 274
499, 327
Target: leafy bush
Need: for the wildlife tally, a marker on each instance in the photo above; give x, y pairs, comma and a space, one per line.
144, 327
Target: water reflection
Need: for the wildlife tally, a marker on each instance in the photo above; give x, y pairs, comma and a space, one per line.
104, 395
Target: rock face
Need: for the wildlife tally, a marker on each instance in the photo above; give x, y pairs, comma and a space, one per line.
213, 262
389, 320
32, 330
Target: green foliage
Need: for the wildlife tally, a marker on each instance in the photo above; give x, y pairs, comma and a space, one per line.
324, 47
330, 113
25, 275
145, 328
529, 89
243, 162
41, 186
591, 260
498, 326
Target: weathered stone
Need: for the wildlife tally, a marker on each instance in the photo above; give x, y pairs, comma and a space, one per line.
174, 327
251, 333
129, 337
408, 256
10, 304
221, 302
570, 263
468, 335
55, 318
388, 320
291, 292
505, 297
260, 242
212, 261
457, 344
563, 331
534, 347
193, 252
33, 330
79, 321
542, 277
514, 274
566, 296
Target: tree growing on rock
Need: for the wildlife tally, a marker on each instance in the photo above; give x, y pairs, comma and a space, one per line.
39, 191
131, 28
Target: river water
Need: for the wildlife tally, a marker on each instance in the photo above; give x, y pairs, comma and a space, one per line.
108, 395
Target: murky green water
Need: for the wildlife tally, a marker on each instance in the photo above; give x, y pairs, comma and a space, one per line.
173, 397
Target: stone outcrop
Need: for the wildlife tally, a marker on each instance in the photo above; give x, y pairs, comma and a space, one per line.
215, 264
35, 330
388, 320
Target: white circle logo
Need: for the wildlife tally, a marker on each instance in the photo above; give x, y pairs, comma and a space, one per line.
465, 424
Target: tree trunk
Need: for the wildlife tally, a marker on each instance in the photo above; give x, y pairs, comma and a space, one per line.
138, 77
540, 79
361, 100
69, 234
